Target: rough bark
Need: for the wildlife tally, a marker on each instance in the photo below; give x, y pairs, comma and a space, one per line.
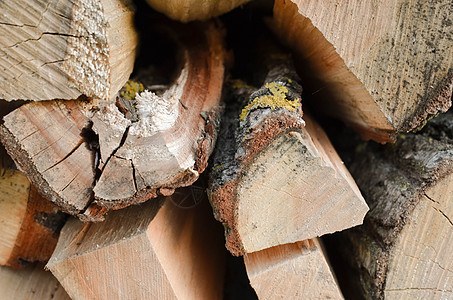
292, 271
155, 250
61, 49
266, 165
403, 249
383, 78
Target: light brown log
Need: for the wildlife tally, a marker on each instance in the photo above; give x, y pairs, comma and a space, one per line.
191, 10
29, 223
61, 49
403, 251
381, 66
292, 271
155, 250
276, 178
31, 283
88, 158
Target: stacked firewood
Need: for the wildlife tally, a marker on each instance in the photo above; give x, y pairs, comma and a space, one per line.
120, 127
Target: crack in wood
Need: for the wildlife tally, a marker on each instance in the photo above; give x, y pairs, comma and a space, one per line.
66, 156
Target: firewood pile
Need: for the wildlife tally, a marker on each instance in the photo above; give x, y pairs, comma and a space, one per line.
317, 133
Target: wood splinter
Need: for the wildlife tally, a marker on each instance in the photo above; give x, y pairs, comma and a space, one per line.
89, 159
276, 178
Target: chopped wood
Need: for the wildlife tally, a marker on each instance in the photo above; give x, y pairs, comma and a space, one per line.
153, 250
276, 178
191, 10
30, 223
381, 67
88, 158
30, 283
292, 271
403, 251
62, 49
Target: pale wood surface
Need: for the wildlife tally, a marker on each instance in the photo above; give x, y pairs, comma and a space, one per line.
31, 283
53, 49
276, 180
380, 66
190, 10
29, 223
403, 250
292, 271
424, 247
153, 250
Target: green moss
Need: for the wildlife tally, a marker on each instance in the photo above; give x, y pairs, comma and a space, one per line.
275, 101
131, 89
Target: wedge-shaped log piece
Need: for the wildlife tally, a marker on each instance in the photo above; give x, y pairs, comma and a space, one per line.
382, 67
30, 283
190, 10
30, 223
61, 49
154, 250
403, 251
292, 271
76, 152
276, 180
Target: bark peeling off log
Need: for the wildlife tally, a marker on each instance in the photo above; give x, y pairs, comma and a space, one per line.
408, 187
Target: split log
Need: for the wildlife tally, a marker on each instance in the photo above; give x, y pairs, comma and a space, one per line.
191, 10
30, 283
29, 223
383, 78
153, 250
88, 159
292, 271
403, 251
62, 49
276, 178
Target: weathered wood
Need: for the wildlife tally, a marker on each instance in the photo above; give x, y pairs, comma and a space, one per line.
156, 250
276, 180
29, 223
382, 67
191, 10
403, 251
30, 283
61, 49
88, 158
292, 271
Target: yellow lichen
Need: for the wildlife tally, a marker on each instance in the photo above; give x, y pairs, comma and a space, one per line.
276, 100
239, 84
131, 89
